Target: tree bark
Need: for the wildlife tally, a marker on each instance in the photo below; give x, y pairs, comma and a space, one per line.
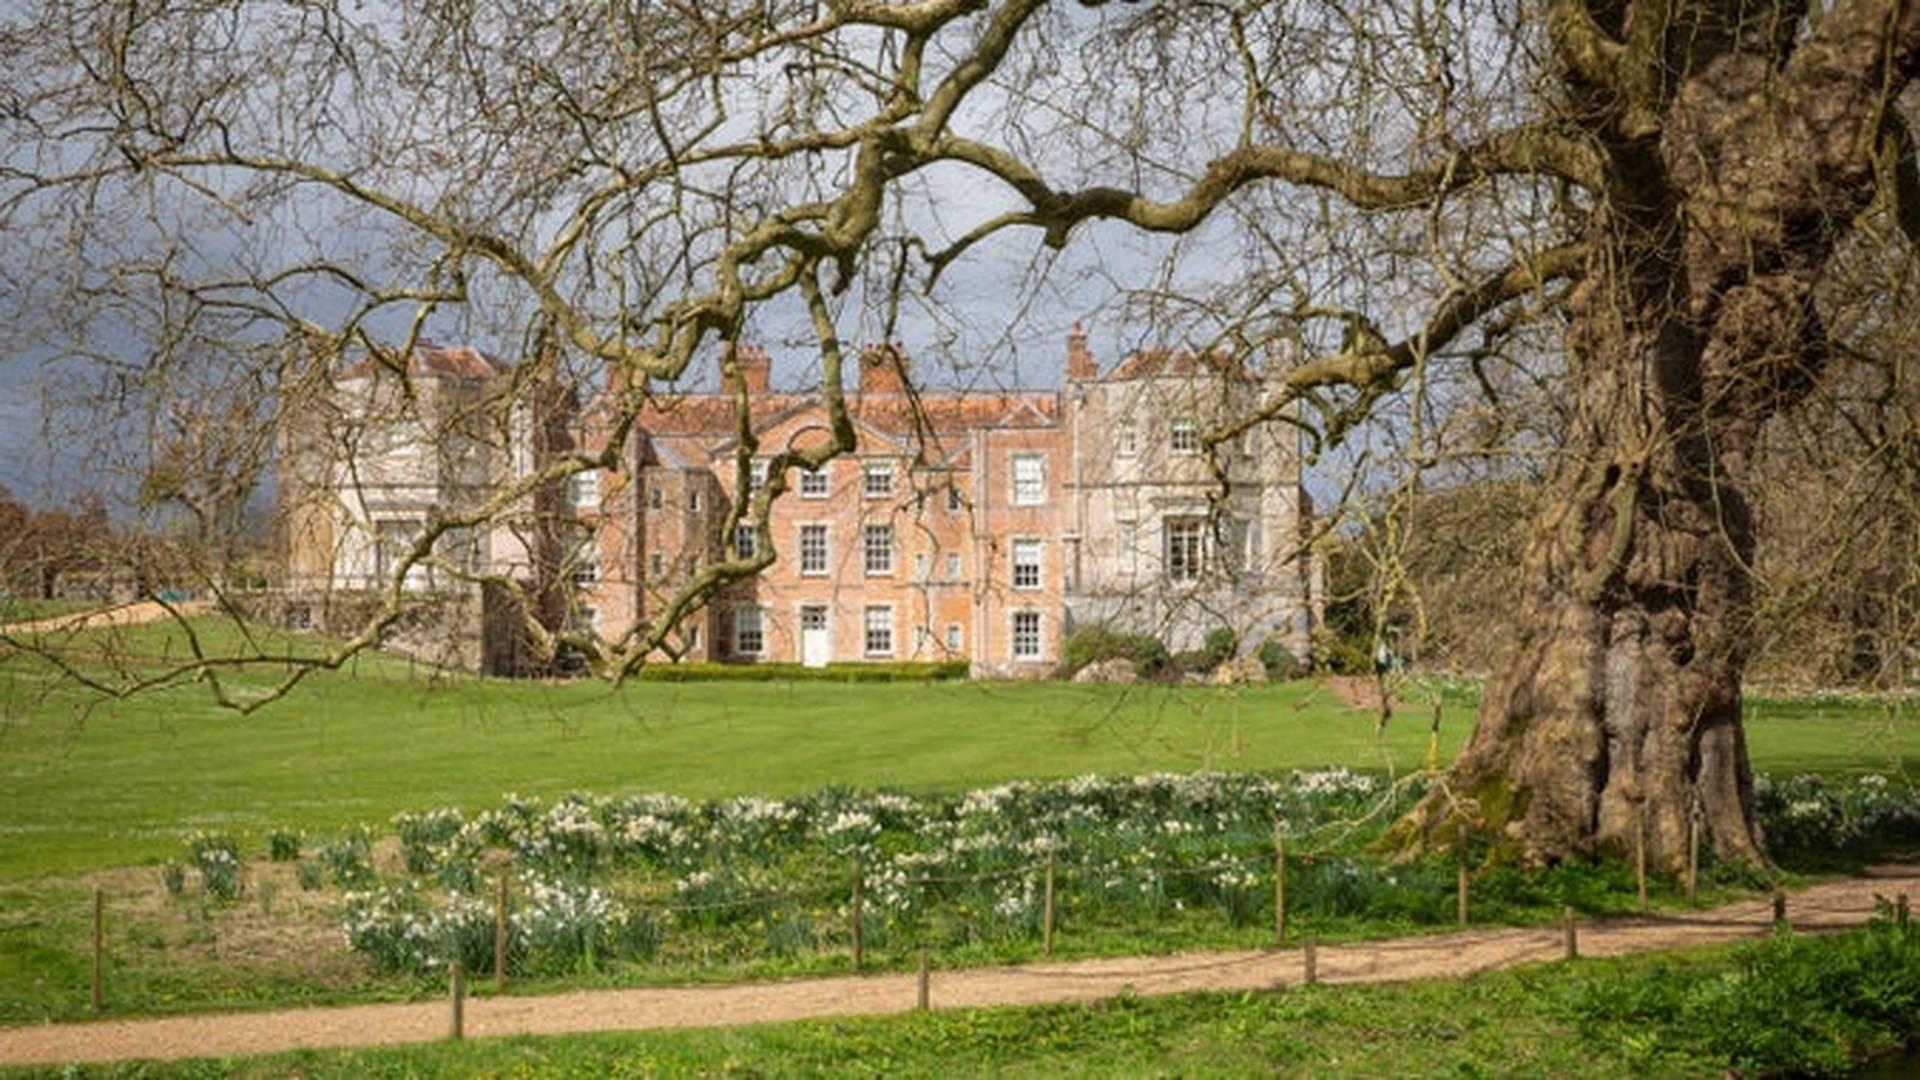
1619, 698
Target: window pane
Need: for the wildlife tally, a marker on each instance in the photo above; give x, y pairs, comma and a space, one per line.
813, 484
813, 549
878, 548
748, 639
1029, 480
877, 479
1186, 439
879, 627
1184, 540
1026, 635
1026, 564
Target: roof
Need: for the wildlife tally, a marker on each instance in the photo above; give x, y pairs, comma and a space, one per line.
430, 360
1160, 361
952, 412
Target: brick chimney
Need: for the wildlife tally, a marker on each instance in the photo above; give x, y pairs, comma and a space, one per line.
754, 368
883, 369
1080, 362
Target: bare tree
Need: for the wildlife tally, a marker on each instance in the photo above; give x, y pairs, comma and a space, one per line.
1655, 188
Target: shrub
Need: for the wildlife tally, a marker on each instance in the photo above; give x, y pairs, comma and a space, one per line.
852, 672
1279, 661
1099, 642
174, 877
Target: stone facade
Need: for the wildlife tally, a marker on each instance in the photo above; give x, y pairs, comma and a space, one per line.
975, 526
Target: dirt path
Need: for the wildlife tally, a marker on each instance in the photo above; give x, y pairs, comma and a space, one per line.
141, 611
1828, 906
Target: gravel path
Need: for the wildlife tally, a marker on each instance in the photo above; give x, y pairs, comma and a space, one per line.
1828, 906
142, 611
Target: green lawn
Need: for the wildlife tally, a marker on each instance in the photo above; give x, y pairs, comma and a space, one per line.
86, 783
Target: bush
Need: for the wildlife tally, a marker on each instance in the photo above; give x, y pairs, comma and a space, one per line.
1099, 642
1217, 650
852, 672
1279, 661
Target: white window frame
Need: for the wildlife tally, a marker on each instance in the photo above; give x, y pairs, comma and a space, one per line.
877, 558
954, 503
1038, 640
1190, 534
746, 540
807, 553
583, 489
1126, 441
953, 566
1035, 547
756, 475
1183, 436
869, 628
876, 479
742, 626
1028, 491
815, 483
953, 637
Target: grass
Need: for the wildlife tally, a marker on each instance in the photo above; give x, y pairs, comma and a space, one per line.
87, 783
1679, 1014
15, 609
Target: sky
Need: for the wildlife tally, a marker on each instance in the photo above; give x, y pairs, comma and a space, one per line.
997, 318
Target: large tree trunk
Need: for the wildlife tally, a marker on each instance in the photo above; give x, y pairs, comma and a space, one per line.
1617, 705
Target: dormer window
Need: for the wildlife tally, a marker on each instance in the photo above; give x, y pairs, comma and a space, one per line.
1185, 437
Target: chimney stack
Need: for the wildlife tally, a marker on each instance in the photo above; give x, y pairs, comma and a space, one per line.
754, 369
883, 369
1080, 362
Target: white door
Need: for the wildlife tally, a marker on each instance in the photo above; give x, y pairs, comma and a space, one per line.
813, 636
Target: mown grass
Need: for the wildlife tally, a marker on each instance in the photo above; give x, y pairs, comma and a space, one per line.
87, 783
15, 609
1806, 1006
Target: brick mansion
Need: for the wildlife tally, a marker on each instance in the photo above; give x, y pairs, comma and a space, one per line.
976, 526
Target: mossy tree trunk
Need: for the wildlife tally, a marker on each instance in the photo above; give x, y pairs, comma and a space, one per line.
1728, 193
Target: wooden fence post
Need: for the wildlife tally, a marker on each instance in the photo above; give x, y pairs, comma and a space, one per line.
1047, 929
1900, 911
457, 995
1780, 911
500, 935
859, 935
99, 949
1572, 934
1279, 883
925, 979
1460, 873
1310, 959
